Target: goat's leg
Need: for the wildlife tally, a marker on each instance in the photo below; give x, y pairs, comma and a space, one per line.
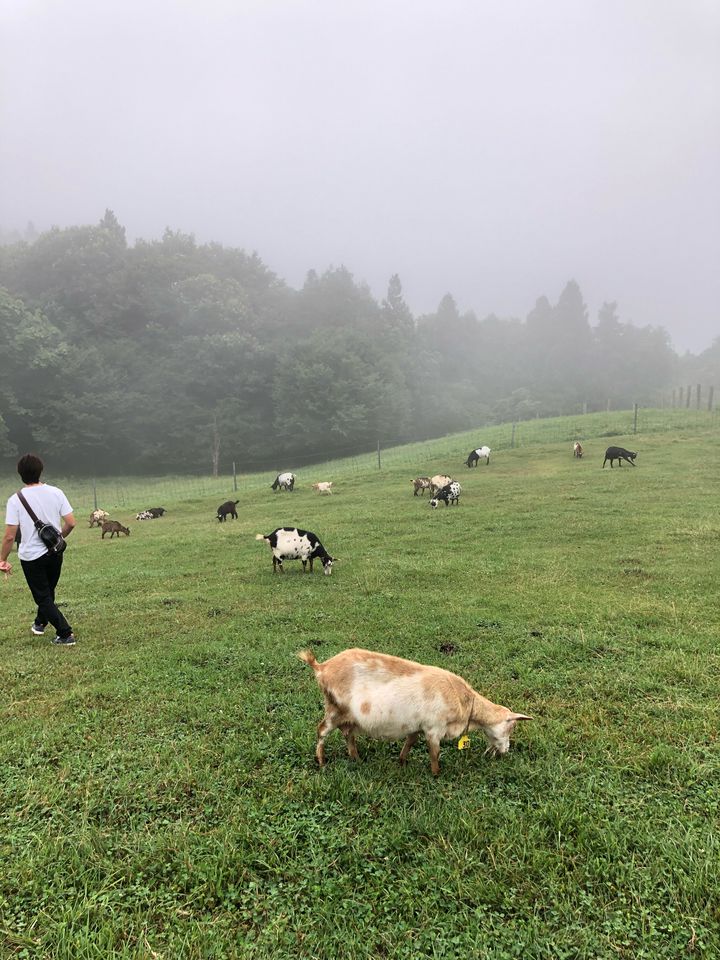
349, 734
326, 726
407, 747
434, 750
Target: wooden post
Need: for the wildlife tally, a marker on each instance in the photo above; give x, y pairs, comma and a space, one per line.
234, 477
698, 389
687, 398
680, 401
710, 397
634, 418
379, 464
512, 437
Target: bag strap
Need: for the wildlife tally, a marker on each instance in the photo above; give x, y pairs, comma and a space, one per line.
30, 510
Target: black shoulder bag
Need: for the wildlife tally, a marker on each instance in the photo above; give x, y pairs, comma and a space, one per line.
50, 535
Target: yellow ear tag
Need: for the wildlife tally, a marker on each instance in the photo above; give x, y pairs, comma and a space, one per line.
464, 742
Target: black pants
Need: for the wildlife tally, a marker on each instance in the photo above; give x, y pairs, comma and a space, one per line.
42, 576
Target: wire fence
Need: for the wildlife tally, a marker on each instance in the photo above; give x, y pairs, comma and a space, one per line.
420, 457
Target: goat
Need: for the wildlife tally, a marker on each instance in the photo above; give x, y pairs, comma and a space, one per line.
474, 457
323, 487
289, 543
619, 454
449, 494
421, 483
145, 515
227, 508
283, 481
157, 511
388, 698
578, 450
439, 480
114, 528
97, 517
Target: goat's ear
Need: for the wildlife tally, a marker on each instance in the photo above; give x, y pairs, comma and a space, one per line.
517, 716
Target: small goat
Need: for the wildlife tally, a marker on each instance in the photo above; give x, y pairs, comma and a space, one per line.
449, 494
289, 543
283, 481
145, 515
323, 487
227, 508
157, 511
114, 528
619, 454
388, 698
421, 483
578, 450
475, 456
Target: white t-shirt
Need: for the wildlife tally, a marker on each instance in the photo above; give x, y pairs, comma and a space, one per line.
49, 504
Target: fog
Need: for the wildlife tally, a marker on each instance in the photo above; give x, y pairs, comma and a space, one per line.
493, 151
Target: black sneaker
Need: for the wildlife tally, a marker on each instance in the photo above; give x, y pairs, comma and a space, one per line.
65, 641
38, 629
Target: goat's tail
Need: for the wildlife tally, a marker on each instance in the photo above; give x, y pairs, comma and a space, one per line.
309, 657
260, 536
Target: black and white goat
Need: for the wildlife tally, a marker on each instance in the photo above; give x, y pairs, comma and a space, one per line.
289, 543
283, 481
449, 494
475, 456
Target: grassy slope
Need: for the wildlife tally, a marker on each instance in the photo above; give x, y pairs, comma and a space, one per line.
159, 795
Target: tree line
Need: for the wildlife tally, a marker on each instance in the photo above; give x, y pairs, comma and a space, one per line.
169, 355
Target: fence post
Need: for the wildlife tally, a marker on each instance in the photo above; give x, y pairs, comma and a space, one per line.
95, 494
234, 477
584, 407
710, 397
512, 437
697, 396
687, 398
608, 405
635, 418
379, 464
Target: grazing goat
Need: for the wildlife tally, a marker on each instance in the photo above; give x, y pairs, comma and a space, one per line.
289, 543
157, 511
144, 515
578, 450
283, 481
323, 487
475, 456
114, 528
619, 454
388, 698
97, 517
439, 480
421, 483
227, 508
449, 494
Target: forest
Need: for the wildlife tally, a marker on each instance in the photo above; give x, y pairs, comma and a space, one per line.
173, 356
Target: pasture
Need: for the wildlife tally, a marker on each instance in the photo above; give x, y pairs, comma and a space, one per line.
159, 796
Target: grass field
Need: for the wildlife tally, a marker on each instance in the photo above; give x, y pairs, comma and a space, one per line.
159, 796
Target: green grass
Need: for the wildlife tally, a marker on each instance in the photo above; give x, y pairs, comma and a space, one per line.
159, 796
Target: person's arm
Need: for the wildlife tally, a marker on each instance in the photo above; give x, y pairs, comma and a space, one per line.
68, 525
7, 544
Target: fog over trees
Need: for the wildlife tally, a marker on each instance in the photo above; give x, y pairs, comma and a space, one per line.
169, 355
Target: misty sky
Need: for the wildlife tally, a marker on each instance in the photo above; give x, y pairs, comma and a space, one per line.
491, 150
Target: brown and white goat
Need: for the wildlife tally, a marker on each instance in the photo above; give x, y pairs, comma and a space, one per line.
97, 517
438, 481
577, 449
388, 698
421, 483
324, 486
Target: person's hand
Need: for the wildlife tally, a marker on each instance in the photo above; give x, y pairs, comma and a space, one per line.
5, 568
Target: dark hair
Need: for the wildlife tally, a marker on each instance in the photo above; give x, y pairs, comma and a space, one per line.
30, 467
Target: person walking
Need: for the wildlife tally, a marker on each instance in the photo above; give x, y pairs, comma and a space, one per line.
41, 568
